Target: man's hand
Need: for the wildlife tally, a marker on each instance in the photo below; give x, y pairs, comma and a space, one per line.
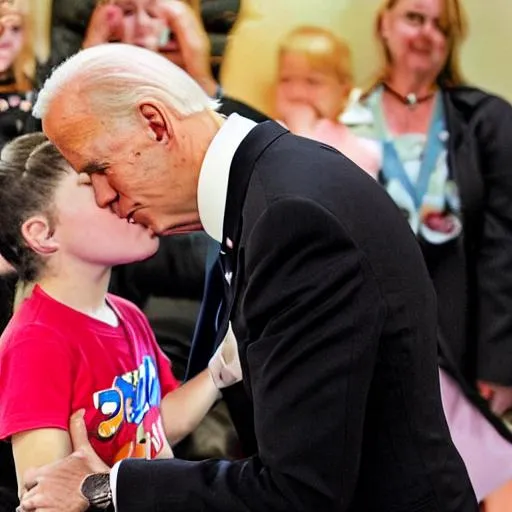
56, 487
105, 25
191, 46
499, 397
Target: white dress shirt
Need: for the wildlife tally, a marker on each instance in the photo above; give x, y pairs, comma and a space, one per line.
212, 190
213, 178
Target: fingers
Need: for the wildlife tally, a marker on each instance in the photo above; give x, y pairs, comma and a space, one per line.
31, 478
230, 347
78, 431
190, 33
499, 397
224, 366
182, 20
32, 500
105, 25
81, 444
501, 401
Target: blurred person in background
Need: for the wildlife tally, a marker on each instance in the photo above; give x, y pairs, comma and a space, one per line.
17, 69
170, 27
446, 150
314, 85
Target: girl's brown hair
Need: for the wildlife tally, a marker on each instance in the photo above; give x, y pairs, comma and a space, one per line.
30, 170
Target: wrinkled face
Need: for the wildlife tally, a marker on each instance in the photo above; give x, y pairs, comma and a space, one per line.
11, 39
95, 235
142, 180
301, 83
414, 36
142, 25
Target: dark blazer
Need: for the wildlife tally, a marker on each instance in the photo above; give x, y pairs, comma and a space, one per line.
472, 275
335, 317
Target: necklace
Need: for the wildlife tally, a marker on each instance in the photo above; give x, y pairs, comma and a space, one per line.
411, 100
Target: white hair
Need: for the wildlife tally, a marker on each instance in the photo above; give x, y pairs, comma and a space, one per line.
115, 77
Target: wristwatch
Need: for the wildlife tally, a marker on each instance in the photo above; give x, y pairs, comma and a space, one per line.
96, 490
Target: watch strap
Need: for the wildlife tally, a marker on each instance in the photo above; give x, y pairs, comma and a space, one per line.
96, 490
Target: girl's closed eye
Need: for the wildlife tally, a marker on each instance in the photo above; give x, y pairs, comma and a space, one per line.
84, 179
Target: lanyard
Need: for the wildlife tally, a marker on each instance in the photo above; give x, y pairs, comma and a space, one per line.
392, 166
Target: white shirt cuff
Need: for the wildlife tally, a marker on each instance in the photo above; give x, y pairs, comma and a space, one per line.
113, 482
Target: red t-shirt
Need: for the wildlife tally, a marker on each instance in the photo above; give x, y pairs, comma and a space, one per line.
55, 360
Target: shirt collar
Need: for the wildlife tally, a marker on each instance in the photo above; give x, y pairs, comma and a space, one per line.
212, 187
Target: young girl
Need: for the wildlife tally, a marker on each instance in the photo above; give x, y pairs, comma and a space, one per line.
313, 88
72, 346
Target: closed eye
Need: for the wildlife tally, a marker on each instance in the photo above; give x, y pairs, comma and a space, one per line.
84, 179
94, 168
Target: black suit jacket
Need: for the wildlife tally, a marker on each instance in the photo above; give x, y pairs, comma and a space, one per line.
335, 317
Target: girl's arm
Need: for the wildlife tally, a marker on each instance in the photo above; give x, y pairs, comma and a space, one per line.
183, 409
35, 448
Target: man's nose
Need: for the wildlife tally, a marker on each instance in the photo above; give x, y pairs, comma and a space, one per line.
105, 195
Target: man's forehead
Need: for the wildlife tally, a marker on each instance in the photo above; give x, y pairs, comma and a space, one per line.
72, 129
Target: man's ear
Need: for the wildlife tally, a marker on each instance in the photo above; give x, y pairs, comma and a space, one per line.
38, 235
158, 125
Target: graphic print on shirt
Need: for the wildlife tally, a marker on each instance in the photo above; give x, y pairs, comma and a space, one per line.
132, 403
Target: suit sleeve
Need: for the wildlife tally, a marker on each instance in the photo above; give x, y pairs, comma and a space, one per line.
494, 263
315, 314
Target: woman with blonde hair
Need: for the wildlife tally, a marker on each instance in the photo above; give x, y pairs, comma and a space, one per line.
17, 69
446, 154
313, 89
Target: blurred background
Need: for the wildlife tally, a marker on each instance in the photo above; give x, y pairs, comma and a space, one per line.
249, 53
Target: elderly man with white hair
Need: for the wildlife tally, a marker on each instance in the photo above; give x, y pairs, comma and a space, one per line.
328, 296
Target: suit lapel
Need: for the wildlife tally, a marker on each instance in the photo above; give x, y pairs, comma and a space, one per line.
240, 173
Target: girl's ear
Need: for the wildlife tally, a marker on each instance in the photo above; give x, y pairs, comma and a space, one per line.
38, 235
